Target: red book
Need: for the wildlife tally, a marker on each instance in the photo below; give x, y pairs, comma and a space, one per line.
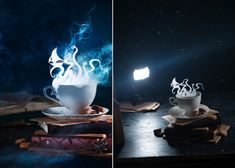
98, 143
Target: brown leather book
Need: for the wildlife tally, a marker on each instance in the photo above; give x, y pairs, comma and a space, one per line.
204, 122
74, 142
202, 133
101, 124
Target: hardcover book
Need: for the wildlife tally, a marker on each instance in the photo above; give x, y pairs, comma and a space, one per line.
101, 124
19, 102
100, 143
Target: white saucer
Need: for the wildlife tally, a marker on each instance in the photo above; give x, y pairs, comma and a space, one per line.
178, 113
62, 113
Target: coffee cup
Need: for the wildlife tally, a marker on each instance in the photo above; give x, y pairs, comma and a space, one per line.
75, 97
187, 103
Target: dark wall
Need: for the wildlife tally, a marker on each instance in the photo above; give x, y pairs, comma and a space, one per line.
30, 29
192, 39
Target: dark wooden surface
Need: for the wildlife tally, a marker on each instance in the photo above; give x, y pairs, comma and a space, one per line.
143, 149
13, 157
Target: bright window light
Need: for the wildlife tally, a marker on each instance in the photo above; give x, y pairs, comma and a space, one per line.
140, 74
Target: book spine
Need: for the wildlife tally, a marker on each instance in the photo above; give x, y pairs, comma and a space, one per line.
74, 143
205, 122
187, 134
101, 127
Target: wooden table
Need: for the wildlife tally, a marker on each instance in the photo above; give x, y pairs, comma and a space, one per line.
143, 149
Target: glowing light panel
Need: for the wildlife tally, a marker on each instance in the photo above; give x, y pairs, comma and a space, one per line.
140, 74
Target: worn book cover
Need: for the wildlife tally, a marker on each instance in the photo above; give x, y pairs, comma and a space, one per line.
203, 122
101, 124
19, 102
203, 133
74, 142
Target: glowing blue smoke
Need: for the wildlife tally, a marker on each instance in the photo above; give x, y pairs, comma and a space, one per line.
81, 68
83, 33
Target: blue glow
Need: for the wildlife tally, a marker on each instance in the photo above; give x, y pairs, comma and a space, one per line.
197, 51
78, 66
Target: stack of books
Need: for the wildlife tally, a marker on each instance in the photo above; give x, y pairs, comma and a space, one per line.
206, 129
86, 137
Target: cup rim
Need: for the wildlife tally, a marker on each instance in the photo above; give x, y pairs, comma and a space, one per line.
189, 97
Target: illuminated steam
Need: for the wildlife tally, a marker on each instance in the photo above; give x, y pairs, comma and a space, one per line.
183, 89
80, 68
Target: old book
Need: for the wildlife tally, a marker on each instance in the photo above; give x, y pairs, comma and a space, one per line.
101, 127
143, 107
203, 122
178, 140
19, 102
101, 124
203, 133
73, 142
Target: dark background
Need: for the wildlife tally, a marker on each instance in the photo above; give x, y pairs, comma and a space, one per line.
31, 29
192, 39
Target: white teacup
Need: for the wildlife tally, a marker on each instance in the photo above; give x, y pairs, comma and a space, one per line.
76, 98
188, 104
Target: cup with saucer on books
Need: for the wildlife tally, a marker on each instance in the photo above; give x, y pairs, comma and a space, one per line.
188, 107
75, 101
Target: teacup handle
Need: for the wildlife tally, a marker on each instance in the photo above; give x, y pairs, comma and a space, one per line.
172, 101
52, 93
